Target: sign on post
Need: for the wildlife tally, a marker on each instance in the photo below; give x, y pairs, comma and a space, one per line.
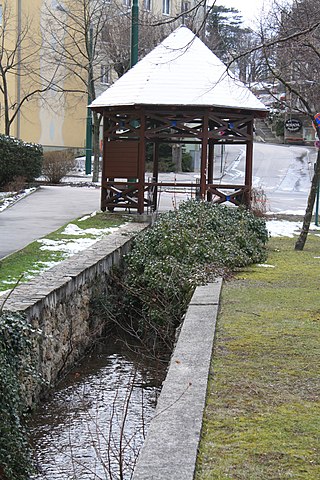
293, 125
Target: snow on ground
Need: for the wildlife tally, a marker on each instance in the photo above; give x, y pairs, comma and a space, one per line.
69, 247
265, 265
72, 229
283, 228
299, 213
286, 228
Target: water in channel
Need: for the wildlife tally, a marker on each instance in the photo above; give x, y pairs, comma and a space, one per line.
94, 424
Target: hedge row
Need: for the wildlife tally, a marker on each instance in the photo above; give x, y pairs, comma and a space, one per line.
19, 159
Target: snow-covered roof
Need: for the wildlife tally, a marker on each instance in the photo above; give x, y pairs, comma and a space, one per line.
179, 71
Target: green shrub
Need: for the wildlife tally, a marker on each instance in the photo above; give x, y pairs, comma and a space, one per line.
279, 127
183, 249
16, 340
19, 159
187, 162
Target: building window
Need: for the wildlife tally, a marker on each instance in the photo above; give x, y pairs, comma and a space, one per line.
147, 5
166, 7
185, 6
104, 74
104, 34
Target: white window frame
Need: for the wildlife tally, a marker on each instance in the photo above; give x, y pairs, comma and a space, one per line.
104, 74
166, 7
147, 5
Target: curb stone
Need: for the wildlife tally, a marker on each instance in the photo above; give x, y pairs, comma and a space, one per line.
171, 446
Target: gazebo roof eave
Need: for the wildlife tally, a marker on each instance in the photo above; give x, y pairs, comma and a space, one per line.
257, 113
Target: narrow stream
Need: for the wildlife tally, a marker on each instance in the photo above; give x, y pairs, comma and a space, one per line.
94, 424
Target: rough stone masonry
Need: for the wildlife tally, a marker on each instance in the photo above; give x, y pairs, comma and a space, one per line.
58, 302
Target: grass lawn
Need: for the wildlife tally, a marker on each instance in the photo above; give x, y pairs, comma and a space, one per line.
262, 418
33, 259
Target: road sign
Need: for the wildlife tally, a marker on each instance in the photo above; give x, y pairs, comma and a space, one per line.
317, 119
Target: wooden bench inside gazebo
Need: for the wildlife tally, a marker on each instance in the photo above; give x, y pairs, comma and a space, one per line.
179, 93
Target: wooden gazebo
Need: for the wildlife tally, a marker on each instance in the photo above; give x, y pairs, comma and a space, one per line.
179, 93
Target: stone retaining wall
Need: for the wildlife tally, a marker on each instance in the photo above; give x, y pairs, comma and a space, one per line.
58, 302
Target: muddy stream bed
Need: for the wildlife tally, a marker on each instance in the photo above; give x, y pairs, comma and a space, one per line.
94, 423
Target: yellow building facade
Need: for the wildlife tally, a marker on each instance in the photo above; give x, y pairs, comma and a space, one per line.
48, 114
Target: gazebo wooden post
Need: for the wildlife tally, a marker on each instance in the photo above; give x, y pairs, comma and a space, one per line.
141, 160
103, 174
249, 156
204, 154
155, 173
210, 168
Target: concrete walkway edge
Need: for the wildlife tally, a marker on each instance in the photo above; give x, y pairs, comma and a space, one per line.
171, 446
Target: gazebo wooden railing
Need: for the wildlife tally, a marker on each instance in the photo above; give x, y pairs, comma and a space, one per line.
128, 130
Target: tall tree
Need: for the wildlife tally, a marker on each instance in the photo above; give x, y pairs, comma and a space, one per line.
294, 47
290, 43
84, 37
223, 27
20, 80
72, 39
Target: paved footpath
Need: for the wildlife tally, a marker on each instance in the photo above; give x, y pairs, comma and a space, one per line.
43, 212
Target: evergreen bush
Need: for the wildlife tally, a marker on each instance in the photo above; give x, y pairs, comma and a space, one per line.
185, 248
19, 159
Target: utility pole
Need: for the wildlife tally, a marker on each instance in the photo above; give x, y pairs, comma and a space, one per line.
134, 32
89, 113
316, 216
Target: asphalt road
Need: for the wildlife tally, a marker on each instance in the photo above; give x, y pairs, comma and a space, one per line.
283, 172
43, 212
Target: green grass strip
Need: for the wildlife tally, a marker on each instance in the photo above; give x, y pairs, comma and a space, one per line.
32, 260
262, 418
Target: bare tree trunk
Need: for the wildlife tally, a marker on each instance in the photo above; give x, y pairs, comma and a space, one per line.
177, 156
6, 103
311, 199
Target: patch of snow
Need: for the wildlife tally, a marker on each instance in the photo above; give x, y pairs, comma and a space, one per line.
283, 228
288, 212
10, 198
70, 247
72, 229
93, 214
265, 265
